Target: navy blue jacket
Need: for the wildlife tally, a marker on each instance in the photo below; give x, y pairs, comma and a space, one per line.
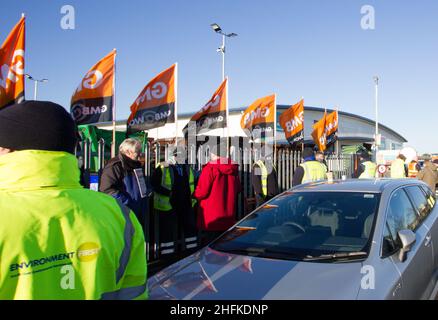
119, 181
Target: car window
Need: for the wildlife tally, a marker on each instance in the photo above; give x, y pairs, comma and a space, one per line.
420, 201
300, 224
389, 244
401, 214
430, 196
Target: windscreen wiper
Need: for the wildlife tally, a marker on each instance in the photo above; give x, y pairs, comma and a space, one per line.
336, 256
264, 253
249, 251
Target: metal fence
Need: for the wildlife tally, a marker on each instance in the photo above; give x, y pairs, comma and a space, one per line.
286, 162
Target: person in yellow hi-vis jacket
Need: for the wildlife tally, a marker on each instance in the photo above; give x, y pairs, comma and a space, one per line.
264, 180
58, 240
398, 168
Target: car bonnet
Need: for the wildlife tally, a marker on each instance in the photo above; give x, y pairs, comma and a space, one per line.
210, 274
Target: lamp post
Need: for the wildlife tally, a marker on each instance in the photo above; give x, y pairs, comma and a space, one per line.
376, 137
221, 49
28, 76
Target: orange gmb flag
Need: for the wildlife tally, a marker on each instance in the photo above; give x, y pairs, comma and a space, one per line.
92, 101
292, 122
155, 106
319, 133
331, 126
12, 66
214, 114
260, 116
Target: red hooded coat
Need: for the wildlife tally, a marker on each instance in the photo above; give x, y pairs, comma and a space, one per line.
217, 191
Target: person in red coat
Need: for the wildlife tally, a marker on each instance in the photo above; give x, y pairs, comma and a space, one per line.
216, 192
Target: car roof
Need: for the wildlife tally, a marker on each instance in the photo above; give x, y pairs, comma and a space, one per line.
354, 185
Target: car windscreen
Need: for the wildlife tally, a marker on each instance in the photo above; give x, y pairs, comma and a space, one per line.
306, 226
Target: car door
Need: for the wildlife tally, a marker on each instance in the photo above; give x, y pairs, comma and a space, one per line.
416, 271
431, 220
423, 206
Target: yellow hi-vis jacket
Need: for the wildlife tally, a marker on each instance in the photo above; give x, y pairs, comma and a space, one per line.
370, 170
263, 177
161, 201
413, 172
398, 169
60, 241
313, 171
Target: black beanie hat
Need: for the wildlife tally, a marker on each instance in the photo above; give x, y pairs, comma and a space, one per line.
37, 125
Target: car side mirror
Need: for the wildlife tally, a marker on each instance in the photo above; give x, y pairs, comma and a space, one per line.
407, 238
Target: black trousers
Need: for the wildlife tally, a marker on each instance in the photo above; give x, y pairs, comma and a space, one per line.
167, 231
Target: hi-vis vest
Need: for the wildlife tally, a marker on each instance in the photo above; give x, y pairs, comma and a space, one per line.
413, 170
263, 177
313, 171
61, 241
398, 169
370, 170
162, 202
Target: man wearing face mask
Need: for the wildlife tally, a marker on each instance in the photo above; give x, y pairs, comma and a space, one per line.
121, 179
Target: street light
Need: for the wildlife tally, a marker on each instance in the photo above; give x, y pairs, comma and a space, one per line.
376, 137
28, 76
221, 49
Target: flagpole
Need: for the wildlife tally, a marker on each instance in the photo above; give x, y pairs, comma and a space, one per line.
337, 138
275, 129
113, 147
302, 144
176, 104
227, 119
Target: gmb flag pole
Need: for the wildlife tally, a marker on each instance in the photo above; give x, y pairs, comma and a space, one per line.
292, 122
213, 115
93, 100
259, 118
12, 66
155, 106
176, 104
113, 145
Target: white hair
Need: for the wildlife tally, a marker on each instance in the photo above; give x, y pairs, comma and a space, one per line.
129, 144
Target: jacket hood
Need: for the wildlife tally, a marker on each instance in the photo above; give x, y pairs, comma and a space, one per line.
225, 166
34, 169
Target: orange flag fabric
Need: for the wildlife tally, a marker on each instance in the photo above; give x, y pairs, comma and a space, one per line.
292, 122
318, 133
324, 130
92, 101
331, 126
259, 117
155, 106
12, 66
214, 114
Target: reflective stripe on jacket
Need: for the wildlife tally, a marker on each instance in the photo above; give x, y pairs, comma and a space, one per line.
412, 173
162, 202
370, 170
60, 241
313, 171
263, 177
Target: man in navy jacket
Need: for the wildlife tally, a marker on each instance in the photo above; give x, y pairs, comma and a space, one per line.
119, 180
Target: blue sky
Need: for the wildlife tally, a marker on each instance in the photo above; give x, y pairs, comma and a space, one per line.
311, 48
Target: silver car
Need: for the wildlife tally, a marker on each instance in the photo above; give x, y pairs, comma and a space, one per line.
354, 239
